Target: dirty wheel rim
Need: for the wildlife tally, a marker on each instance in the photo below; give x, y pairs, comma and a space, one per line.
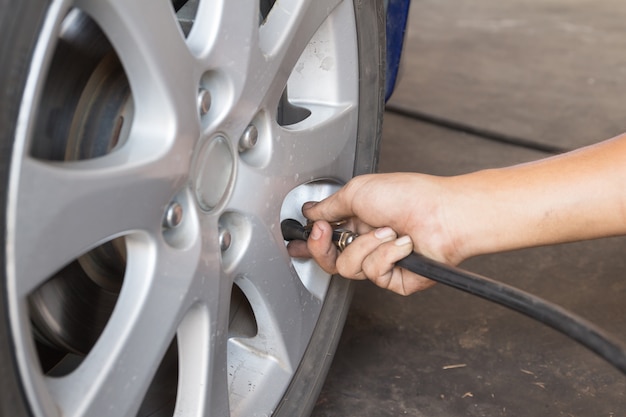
230, 123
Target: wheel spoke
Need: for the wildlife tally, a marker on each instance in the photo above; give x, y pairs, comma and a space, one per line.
283, 37
291, 25
202, 341
284, 309
225, 31
151, 46
115, 375
308, 151
249, 372
224, 38
264, 56
318, 146
285, 314
250, 181
203, 334
67, 209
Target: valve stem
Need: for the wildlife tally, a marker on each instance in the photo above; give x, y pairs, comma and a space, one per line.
293, 230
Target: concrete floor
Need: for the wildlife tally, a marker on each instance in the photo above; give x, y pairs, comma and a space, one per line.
550, 72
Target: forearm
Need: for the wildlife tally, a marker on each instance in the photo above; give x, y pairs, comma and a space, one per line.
576, 196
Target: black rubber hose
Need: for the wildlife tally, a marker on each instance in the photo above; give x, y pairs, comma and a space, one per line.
571, 325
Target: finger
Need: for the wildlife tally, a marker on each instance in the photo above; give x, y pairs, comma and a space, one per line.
321, 247
322, 210
298, 249
379, 267
336, 207
405, 282
350, 262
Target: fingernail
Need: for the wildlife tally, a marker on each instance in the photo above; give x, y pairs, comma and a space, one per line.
384, 233
316, 232
309, 205
404, 240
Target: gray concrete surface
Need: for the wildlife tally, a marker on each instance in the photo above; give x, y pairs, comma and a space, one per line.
553, 71
546, 70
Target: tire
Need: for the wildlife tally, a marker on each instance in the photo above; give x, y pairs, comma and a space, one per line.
147, 155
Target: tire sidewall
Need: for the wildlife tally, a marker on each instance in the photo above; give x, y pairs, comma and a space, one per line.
20, 24
302, 393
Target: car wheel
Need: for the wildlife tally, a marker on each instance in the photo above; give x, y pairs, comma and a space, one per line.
149, 150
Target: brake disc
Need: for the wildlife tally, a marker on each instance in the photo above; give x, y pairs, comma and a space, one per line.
71, 309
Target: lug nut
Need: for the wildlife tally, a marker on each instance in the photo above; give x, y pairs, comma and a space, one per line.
173, 215
224, 238
204, 101
249, 138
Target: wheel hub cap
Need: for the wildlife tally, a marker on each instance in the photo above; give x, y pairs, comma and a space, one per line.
213, 172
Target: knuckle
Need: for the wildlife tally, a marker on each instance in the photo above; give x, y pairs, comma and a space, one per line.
344, 267
349, 268
373, 268
346, 194
383, 281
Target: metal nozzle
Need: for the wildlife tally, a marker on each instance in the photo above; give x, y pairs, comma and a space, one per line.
293, 230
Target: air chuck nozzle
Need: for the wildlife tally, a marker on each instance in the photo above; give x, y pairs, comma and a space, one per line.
293, 230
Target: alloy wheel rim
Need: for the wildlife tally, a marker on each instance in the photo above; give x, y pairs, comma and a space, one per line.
178, 281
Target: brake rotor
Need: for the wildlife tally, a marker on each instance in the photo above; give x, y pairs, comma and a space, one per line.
86, 120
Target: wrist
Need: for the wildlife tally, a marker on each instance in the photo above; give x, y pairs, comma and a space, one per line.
434, 225
469, 220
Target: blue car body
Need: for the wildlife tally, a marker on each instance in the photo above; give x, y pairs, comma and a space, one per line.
397, 15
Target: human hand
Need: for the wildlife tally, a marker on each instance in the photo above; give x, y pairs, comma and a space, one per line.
380, 208
575, 196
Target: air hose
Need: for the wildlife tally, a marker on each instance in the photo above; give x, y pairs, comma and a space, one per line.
560, 319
